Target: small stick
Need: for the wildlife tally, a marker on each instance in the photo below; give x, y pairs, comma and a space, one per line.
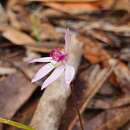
78, 113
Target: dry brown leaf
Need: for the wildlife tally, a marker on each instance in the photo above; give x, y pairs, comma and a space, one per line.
65, 0
117, 121
100, 35
113, 4
73, 8
47, 31
121, 101
109, 120
17, 37
123, 4
101, 103
121, 76
14, 91
94, 52
6, 70
3, 19
87, 5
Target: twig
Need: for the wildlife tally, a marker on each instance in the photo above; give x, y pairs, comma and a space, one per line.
78, 113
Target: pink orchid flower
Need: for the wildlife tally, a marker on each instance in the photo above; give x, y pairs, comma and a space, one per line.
56, 65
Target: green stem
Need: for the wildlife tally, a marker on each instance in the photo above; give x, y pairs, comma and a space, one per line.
16, 124
35, 28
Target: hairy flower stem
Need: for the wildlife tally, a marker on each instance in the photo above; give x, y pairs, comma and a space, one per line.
78, 112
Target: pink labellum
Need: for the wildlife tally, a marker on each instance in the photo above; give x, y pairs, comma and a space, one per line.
43, 71
57, 55
54, 76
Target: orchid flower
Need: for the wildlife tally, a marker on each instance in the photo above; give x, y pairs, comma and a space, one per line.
56, 65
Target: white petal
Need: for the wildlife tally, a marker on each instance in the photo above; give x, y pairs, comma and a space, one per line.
44, 59
54, 76
43, 71
69, 74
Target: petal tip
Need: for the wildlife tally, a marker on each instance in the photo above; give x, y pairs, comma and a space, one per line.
30, 62
43, 87
33, 80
